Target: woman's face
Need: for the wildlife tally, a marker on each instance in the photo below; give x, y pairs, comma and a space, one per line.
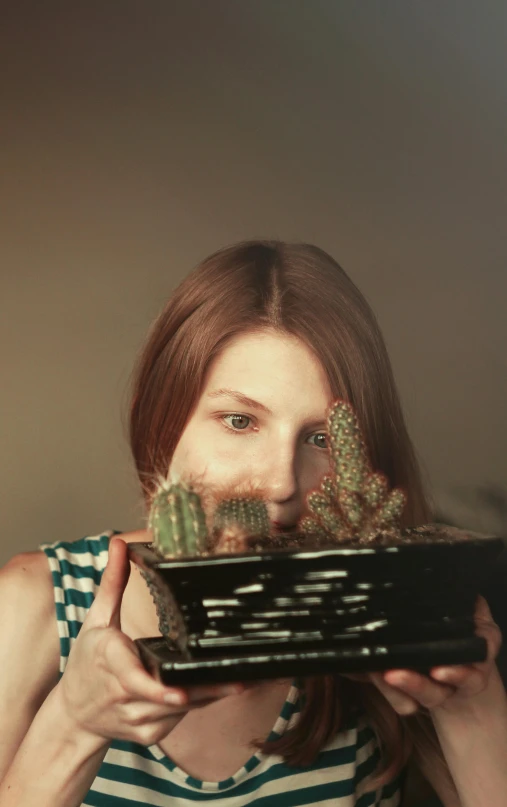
260, 419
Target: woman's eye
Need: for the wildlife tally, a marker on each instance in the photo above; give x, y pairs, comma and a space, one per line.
321, 440
238, 421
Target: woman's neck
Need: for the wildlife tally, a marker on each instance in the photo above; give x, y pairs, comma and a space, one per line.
213, 742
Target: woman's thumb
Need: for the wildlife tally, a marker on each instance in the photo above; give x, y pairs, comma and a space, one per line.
105, 609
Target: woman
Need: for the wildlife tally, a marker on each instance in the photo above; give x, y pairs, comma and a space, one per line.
232, 386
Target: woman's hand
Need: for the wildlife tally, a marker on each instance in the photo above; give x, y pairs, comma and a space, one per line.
105, 690
446, 688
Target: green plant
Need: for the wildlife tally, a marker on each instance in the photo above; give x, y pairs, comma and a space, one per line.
352, 501
247, 512
177, 521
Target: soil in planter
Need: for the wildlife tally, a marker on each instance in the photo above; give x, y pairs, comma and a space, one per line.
425, 534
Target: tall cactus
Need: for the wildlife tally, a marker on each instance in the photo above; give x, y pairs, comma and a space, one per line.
353, 501
178, 521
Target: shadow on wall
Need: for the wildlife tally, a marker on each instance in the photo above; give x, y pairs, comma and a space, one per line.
483, 509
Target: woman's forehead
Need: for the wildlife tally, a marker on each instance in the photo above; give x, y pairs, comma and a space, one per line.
266, 367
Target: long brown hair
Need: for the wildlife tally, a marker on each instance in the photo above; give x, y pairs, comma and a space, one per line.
300, 290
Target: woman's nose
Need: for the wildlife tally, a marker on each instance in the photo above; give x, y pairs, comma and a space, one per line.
280, 480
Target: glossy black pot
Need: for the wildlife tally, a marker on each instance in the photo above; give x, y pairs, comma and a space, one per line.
301, 611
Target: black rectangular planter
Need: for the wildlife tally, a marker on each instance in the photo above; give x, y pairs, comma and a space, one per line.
297, 612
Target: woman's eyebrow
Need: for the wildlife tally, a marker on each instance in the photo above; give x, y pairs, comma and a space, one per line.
240, 397
225, 392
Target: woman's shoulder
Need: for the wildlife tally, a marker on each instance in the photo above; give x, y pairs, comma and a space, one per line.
28, 591
28, 631
26, 578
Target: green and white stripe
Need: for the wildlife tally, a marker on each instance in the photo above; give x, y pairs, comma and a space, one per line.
132, 775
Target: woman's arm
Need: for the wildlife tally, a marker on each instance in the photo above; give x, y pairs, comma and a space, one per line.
468, 706
474, 743
43, 759
56, 762
55, 749
29, 647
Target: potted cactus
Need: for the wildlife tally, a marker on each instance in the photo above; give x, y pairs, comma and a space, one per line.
349, 591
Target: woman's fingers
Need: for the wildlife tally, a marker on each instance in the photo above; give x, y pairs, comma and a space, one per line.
119, 657
471, 679
141, 711
401, 703
105, 609
468, 680
406, 690
124, 664
486, 627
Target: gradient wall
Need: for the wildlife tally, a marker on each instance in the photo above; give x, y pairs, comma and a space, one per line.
136, 138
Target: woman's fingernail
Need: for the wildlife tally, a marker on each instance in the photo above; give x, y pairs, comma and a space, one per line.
397, 677
174, 698
442, 675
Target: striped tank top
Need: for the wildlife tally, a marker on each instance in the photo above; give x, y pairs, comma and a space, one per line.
132, 775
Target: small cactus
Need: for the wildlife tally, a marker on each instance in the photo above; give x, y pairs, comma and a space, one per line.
177, 521
247, 512
353, 501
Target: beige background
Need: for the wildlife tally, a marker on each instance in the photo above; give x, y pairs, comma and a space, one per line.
137, 137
